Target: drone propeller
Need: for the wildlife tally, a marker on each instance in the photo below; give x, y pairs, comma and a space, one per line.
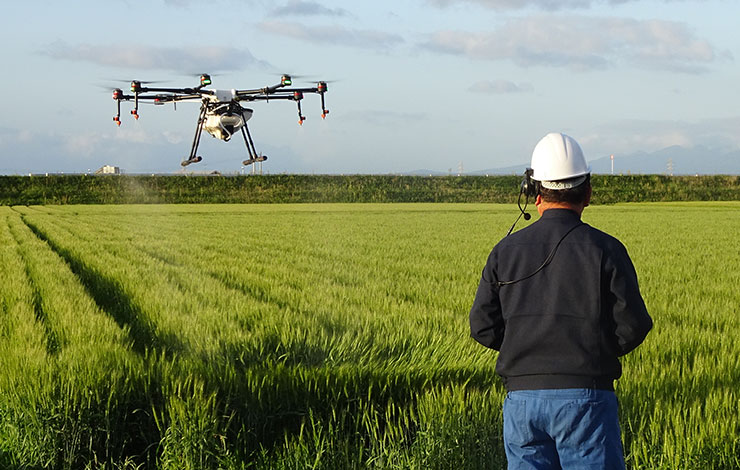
295, 76
288, 79
142, 82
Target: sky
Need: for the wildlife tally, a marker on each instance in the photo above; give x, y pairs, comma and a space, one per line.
439, 85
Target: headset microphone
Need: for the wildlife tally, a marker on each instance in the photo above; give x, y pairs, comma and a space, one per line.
528, 188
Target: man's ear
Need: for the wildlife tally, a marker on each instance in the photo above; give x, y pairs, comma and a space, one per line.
538, 200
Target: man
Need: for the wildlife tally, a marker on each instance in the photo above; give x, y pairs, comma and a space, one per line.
559, 300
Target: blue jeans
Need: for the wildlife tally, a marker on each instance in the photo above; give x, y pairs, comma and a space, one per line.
562, 429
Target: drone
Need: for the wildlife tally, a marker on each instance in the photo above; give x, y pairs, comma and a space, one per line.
221, 112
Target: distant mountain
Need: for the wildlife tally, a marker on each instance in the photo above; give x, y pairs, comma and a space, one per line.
507, 170
675, 160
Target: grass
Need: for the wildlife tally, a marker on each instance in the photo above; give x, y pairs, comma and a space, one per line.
327, 336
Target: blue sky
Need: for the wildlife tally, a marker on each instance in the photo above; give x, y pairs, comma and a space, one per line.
417, 84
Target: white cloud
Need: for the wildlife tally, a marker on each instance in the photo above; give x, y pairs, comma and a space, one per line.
385, 117
334, 35
135, 136
500, 87
550, 5
25, 136
82, 144
303, 8
583, 43
185, 59
75, 152
88, 143
173, 137
627, 136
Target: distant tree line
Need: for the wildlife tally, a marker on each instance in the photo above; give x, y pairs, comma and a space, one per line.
181, 189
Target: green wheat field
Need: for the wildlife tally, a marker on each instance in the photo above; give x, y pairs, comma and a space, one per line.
328, 336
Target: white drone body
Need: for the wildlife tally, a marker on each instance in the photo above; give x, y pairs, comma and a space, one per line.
224, 120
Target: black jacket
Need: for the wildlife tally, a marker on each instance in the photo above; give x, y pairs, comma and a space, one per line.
566, 325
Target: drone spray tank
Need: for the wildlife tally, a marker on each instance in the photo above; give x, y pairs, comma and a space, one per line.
223, 126
225, 116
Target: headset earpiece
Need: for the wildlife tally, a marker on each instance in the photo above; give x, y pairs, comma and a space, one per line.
529, 187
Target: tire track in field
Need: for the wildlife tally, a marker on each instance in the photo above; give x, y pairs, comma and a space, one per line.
110, 296
52, 342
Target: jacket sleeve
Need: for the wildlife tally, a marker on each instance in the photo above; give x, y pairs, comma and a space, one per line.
624, 304
486, 320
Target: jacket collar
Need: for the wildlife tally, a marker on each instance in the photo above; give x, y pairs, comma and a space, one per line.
560, 214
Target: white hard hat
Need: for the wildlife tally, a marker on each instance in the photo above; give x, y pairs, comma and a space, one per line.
558, 162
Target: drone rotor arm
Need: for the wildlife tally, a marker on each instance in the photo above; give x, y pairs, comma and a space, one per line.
168, 98
259, 93
261, 97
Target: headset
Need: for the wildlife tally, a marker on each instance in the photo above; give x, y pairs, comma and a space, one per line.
530, 187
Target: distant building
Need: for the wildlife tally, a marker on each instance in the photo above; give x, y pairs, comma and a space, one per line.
108, 170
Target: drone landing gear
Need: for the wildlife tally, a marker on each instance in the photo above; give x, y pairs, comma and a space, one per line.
191, 160
253, 157
196, 139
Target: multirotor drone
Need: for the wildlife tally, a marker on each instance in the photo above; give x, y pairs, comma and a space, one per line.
221, 112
